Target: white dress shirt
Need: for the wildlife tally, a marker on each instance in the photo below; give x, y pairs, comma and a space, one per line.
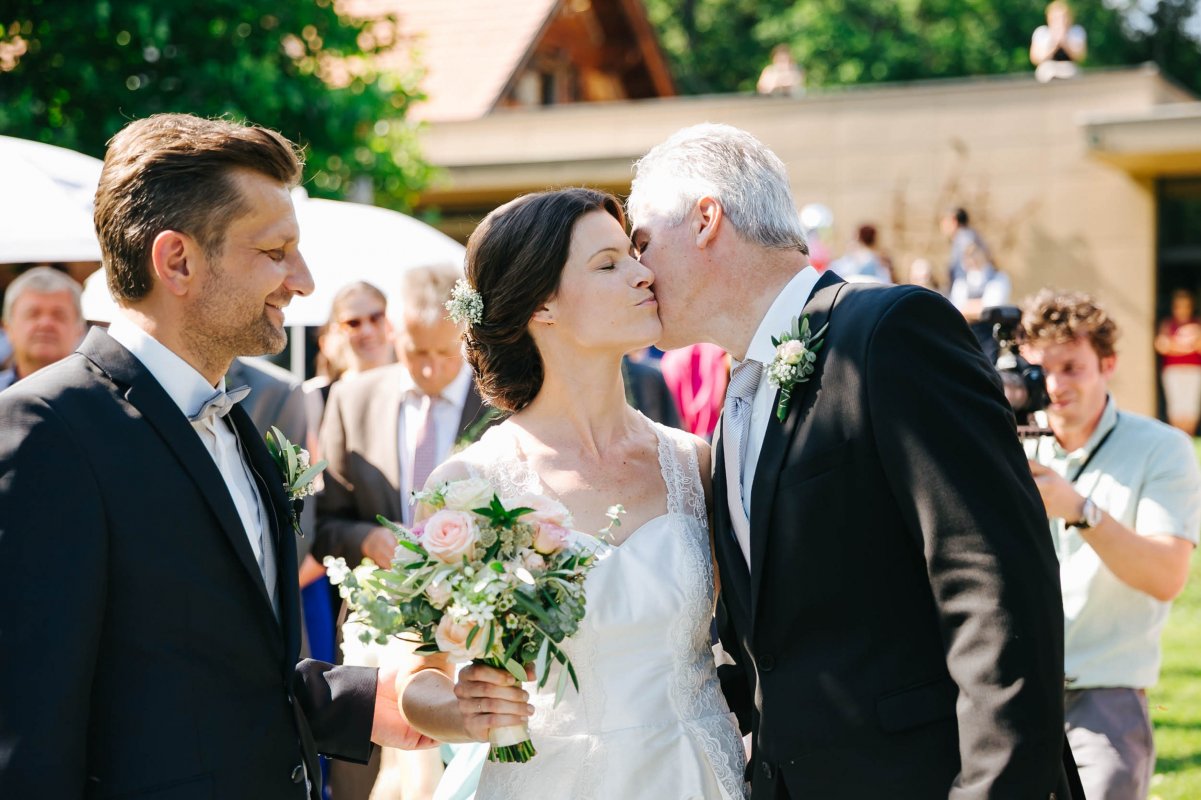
189, 390
447, 414
778, 319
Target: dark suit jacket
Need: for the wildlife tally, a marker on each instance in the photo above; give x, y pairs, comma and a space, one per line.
359, 439
900, 630
139, 652
647, 391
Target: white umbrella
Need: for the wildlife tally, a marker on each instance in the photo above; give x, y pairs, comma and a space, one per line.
341, 242
46, 195
346, 242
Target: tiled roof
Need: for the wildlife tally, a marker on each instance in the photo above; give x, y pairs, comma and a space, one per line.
469, 49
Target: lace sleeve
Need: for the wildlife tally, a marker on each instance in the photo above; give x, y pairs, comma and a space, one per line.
509, 474
681, 473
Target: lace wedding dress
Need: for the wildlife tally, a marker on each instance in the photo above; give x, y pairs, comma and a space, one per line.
649, 720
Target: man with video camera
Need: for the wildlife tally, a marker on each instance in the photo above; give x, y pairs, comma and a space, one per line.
1123, 495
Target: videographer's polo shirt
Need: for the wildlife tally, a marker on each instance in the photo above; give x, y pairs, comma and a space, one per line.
1145, 475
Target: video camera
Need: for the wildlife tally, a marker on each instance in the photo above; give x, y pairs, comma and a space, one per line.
1024, 383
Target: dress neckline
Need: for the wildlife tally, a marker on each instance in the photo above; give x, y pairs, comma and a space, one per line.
520, 476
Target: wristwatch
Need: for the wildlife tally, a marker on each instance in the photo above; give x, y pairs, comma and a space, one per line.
1090, 516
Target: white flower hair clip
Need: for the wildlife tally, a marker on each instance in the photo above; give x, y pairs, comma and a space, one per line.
465, 304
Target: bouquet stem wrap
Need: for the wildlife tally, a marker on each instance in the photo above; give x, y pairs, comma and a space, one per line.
510, 744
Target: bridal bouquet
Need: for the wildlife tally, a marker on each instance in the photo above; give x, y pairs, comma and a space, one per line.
488, 579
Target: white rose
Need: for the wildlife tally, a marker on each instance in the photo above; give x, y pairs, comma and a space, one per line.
468, 494
336, 569
533, 561
438, 593
403, 555
791, 352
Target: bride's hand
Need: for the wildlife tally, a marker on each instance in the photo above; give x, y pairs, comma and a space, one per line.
490, 698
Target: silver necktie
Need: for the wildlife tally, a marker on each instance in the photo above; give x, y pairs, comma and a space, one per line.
744, 381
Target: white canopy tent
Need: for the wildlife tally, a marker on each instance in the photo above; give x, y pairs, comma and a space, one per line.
46, 195
341, 243
345, 242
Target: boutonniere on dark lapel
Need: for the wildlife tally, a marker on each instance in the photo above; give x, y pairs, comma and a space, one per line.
298, 474
796, 354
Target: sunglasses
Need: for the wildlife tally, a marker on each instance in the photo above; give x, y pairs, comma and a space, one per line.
354, 323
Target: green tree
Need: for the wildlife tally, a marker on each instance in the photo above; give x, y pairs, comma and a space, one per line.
721, 45
73, 72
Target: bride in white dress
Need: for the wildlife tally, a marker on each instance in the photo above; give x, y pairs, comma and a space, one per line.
564, 297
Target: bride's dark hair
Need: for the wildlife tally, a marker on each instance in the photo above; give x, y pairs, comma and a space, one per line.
515, 259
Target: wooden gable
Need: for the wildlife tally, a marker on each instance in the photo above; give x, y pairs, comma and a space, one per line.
481, 55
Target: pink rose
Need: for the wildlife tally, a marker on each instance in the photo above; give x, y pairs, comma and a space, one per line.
452, 640
545, 509
550, 538
449, 536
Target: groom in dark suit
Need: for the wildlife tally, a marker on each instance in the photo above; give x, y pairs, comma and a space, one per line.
149, 614
890, 596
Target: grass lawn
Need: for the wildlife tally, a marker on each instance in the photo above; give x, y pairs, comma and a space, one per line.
1176, 701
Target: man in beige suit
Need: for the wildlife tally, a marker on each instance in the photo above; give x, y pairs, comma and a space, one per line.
384, 431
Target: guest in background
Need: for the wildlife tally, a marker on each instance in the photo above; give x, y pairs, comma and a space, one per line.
384, 431
1123, 497
955, 224
978, 285
1057, 47
647, 391
1178, 343
43, 320
697, 376
357, 338
921, 273
6, 349
782, 76
862, 262
360, 311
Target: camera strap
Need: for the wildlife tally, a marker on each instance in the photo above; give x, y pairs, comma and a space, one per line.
1088, 459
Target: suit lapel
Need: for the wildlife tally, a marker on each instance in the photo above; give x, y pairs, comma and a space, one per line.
392, 457
734, 574
780, 434
279, 523
146, 395
473, 406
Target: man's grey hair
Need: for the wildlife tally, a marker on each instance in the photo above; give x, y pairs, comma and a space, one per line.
729, 165
42, 280
424, 292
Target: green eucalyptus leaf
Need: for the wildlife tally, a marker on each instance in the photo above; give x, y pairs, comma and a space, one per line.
542, 663
561, 687
306, 477
516, 670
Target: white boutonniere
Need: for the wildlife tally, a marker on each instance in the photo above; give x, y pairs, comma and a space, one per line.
796, 354
298, 474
